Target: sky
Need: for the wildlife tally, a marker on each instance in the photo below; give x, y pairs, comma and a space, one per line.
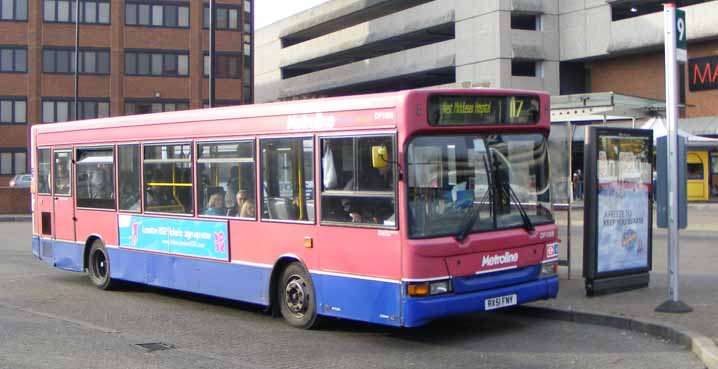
267, 12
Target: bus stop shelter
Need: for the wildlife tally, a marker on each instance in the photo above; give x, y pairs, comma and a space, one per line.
569, 115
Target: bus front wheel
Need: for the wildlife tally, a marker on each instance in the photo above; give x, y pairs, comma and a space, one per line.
99, 267
296, 297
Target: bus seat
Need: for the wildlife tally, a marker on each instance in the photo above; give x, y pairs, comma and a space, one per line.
279, 208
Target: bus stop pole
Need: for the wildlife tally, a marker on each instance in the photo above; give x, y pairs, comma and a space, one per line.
673, 304
570, 196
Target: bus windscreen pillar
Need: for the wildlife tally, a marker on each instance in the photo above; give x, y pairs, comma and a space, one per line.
661, 184
618, 209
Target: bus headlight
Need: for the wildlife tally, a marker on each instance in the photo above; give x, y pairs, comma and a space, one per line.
549, 269
437, 288
429, 288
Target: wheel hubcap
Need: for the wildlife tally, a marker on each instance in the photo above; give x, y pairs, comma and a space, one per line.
295, 296
100, 264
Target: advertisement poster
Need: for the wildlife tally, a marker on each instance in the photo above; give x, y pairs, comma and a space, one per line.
624, 188
203, 239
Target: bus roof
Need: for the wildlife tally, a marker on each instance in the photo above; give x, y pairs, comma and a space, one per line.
299, 116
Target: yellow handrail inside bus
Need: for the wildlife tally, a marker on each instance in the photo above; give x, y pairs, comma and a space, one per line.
161, 184
300, 180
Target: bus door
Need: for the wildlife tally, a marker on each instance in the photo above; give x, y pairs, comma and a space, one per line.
63, 196
42, 186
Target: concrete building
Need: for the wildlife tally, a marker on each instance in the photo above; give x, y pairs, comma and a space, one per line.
561, 46
136, 56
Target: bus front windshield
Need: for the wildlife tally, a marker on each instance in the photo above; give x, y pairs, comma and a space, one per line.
462, 184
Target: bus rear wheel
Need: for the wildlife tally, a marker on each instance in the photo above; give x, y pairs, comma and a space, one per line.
295, 295
98, 267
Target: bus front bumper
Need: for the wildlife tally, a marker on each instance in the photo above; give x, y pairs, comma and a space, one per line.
419, 311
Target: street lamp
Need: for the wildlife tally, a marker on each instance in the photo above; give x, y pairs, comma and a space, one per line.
212, 21
77, 58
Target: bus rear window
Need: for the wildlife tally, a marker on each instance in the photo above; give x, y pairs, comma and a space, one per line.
481, 110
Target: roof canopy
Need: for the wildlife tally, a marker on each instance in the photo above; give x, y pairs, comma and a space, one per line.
602, 106
658, 125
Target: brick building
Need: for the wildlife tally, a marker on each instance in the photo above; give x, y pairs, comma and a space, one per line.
136, 56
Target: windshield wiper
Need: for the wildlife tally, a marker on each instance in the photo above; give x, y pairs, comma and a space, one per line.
528, 225
471, 220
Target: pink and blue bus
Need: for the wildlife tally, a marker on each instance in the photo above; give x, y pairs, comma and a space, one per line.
396, 208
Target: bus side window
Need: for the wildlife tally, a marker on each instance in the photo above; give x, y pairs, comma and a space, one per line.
43, 171
96, 178
128, 163
288, 179
355, 188
168, 178
226, 183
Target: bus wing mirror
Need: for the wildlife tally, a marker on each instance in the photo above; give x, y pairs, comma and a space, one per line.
378, 157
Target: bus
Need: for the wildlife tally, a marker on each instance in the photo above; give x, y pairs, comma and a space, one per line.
396, 208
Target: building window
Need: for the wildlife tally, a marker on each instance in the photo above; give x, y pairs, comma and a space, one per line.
62, 60
13, 10
154, 106
63, 11
695, 171
228, 18
13, 59
221, 103
226, 65
528, 22
247, 82
172, 63
13, 161
525, 68
150, 15
96, 178
63, 109
13, 110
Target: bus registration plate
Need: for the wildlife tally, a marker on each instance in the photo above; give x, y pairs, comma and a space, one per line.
499, 302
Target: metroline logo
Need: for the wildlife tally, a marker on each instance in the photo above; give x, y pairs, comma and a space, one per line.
498, 260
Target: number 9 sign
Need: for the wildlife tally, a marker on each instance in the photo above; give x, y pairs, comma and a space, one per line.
681, 31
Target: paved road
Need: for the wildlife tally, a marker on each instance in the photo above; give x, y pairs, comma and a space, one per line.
55, 319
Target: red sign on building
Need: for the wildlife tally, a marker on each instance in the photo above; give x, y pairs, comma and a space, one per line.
703, 73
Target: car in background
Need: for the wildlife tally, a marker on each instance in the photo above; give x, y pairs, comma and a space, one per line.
21, 181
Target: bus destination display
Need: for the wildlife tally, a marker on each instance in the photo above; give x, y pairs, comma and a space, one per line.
463, 110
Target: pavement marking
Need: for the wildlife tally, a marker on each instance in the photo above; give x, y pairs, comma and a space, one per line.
80, 323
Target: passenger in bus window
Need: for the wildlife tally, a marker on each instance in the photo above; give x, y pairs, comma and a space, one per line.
129, 193
244, 207
101, 182
370, 209
215, 205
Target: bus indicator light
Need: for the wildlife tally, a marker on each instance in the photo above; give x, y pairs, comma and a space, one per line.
418, 289
308, 242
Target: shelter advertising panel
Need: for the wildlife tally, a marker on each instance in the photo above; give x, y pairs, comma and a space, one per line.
618, 209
